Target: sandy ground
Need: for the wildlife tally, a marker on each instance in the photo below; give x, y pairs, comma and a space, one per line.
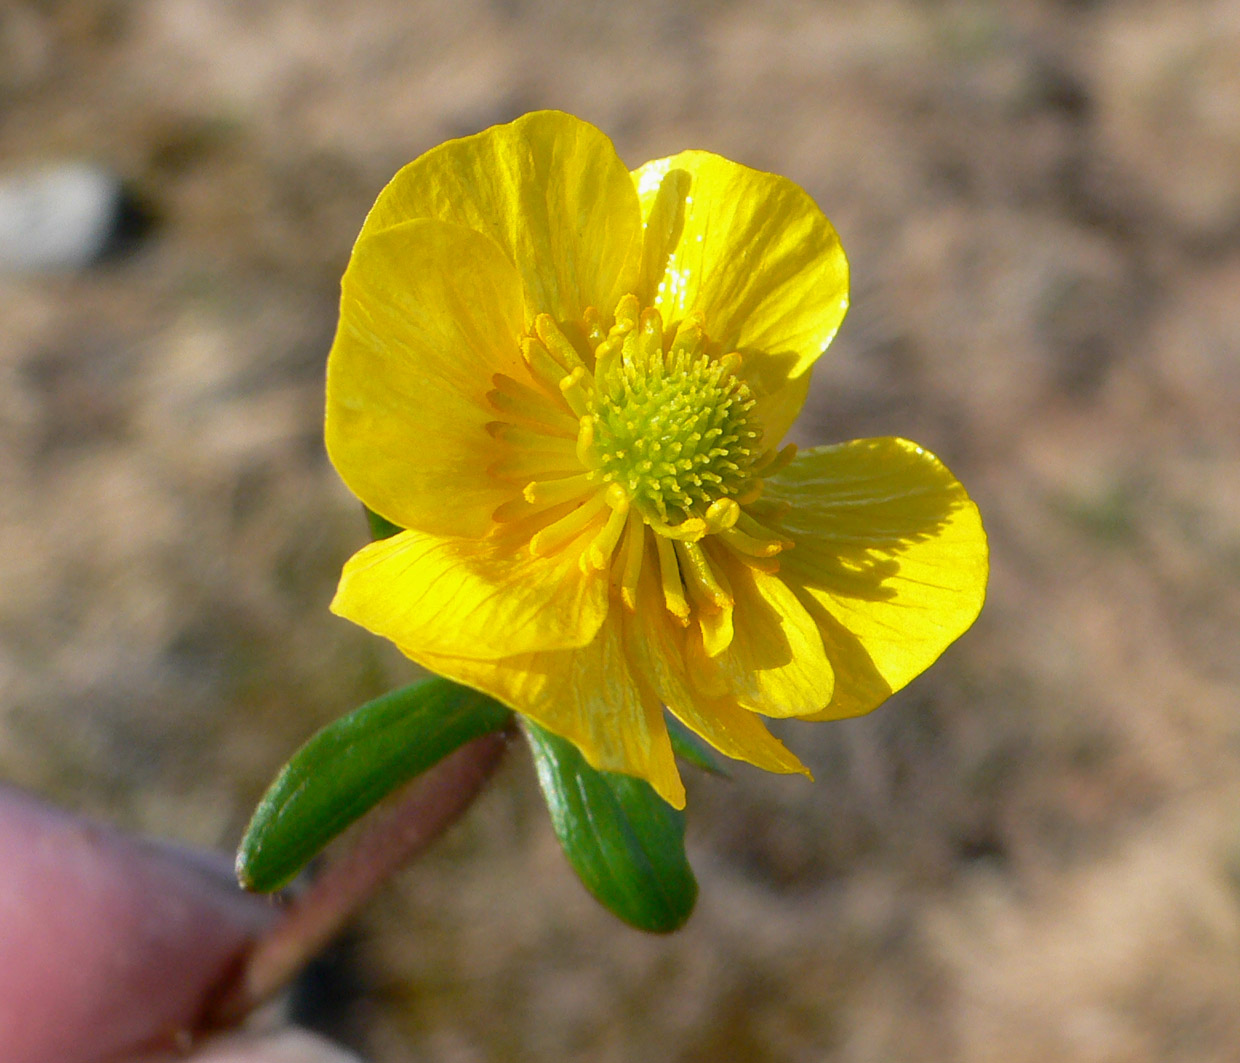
1033, 853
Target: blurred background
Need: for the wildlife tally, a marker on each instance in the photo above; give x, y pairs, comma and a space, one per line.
1032, 853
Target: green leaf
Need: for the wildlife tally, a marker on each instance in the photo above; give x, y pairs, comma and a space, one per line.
350, 766
380, 527
691, 749
624, 841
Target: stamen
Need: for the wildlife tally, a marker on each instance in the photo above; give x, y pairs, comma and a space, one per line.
557, 344
541, 457
768, 511
550, 492
746, 523
604, 544
621, 384
776, 462
769, 565
722, 513
518, 509
544, 369
717, 630
649, 342
710, 591
575, 395
700, 577
608, 352
690, 530
592, 322
689, 340
585, 449
751, 494
750, 545
628, 310
514, 399
606, 355
634, 552
523, 438
669, 575
563, 531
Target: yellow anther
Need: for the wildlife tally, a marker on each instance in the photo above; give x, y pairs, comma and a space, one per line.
608, 354
631, 358
750, 545
746, 523
700, 577
553, 492
513, 509
553, 459
721, 513
586, 452
649, 342
769, 565
628, 310
752, 539
688, 343
631, 559
592, 321
574, 393
598, 556
669, 575
545, 371
563, 531
717, 630
776, 462
558, 345
616, 497
690, 530
751, 494
768, 511
529, 440
514, 399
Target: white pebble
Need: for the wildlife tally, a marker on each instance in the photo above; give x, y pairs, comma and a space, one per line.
60, 218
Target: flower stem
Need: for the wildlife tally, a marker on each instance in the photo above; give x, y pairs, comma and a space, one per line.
401, 831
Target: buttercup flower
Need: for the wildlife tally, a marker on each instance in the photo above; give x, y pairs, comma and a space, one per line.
569, 383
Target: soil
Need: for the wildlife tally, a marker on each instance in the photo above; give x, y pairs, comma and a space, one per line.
1031, 853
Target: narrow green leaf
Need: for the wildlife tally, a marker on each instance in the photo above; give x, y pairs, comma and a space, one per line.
380, 527
350, 766
624, 841
691, 749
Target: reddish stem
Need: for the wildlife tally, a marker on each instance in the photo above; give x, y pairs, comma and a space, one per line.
400, 832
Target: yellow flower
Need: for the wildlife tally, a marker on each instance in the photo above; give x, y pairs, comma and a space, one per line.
569, 382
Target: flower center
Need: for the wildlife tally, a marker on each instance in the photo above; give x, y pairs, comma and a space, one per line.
672, 428
626, 437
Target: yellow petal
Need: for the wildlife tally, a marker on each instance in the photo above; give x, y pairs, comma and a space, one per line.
750, 251
655, 647
775, 413
588, 696
550, 190
890, 558
775, 664
470, 598
428, 313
